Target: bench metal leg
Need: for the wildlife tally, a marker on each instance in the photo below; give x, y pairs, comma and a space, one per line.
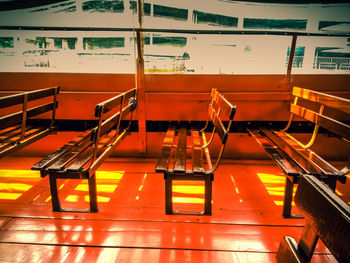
93, 193
208, 197
54, 194
288, 197
168, 196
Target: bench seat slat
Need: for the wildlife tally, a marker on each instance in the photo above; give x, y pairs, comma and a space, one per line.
86, 155
180, 154
287, 165
291, 152
164, 158
57, 154
15, 138
312, 157
197, 154
5, 133
67, 157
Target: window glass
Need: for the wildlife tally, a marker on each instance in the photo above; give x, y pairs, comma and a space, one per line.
255, 23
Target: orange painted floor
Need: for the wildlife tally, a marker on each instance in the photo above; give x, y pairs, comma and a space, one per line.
131, 226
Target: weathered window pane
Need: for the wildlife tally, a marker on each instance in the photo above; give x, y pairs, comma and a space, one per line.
274, 23
170, 41
6, 42
93, 43
104, 6
214, 19
170, 12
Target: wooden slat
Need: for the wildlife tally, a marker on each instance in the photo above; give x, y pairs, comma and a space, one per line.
32, 95
129, 94
15, 118
333, 125
197, 155
328, 215
10, 132
108, 105
180, 154
26, 141
226, 107
220, 129
61, 151
87, 154
332, 101
314, 159
30, 131
164, 158
291, 152
287, 165
106, 126
64, 159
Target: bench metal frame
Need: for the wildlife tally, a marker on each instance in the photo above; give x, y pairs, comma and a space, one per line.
296, 158
15, 132
219, 106
81, 157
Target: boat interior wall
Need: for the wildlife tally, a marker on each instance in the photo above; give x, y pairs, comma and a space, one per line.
164, 92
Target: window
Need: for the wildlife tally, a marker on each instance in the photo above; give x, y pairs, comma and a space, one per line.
214, 19
104, 6
170, 12
255, 23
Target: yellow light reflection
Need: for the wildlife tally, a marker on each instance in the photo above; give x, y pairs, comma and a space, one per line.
75, 198
188, 189
338, 193
188, 200
9, 196
280, 203
14, 187
19, 173
106, 188
275, 185
115, 175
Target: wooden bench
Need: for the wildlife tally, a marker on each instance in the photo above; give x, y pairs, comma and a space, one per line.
174, 164
15, 131
327, 217
81, 157
296, 158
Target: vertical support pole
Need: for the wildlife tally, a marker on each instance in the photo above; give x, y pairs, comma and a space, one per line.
54, 107
168, 196
140, 82
54, 194
93, 193
288, 197
24, 115
291, 57
208, 196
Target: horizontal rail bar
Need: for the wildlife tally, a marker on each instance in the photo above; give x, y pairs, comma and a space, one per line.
181, 31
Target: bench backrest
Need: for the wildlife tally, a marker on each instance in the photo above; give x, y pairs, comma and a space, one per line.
321, 117
27, 111
219, 109
327, 214
123, 104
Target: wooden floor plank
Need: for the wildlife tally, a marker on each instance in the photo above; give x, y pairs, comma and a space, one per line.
131, 226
